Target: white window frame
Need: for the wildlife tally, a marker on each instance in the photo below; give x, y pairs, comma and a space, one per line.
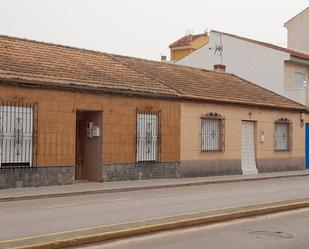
299, 81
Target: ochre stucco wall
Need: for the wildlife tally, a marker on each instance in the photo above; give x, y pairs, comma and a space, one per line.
191, 131
179, 54
200, 41
57, 124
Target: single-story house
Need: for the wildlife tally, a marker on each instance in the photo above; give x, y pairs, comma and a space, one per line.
73, 114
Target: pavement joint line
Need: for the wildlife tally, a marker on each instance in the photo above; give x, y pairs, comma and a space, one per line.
142, 227
149, 187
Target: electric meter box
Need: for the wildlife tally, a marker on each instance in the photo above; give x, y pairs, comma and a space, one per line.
95, 131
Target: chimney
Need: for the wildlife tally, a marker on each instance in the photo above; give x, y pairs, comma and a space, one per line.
163, 57
219, 68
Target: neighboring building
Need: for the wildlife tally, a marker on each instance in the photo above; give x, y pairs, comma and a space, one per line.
187, 45
68, 113
278, 69
298, 31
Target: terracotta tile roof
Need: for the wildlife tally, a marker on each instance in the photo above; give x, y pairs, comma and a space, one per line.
36, 63
209, 85
47, 63
185, 41
269, 45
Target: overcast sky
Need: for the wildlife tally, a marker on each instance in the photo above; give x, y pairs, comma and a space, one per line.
143, 28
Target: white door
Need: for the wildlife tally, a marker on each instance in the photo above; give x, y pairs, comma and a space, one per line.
16, 127
248, 162
147, 137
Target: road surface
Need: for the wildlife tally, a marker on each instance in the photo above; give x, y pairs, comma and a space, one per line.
37, 217
288, 230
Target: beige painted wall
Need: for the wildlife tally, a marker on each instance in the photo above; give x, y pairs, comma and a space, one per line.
290, 69
298, 35
298, 94
191, 131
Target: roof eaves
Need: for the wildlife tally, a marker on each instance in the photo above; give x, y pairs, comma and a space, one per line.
86, 88
245, 103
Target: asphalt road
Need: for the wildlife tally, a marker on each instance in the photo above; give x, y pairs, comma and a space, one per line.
36, 217
289, 230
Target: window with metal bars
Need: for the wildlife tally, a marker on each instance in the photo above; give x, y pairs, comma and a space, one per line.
283, 135
147, 136
17, 134
212, 132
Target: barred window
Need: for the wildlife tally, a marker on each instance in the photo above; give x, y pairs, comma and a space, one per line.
148, 134
17, 134
212, 129
283, 132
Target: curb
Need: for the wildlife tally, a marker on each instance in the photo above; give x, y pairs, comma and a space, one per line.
128, 189
119, 231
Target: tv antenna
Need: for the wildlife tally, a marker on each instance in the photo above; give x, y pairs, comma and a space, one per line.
218, 48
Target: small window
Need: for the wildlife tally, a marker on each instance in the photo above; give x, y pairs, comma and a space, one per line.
283, 135
299, 79
212, 128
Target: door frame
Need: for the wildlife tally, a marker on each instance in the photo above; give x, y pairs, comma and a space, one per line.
86, 112
254, 139
307, 145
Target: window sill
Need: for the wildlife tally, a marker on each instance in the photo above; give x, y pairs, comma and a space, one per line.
282, 151
211, 151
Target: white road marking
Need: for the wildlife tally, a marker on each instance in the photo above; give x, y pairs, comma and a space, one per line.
119, 199
61, 206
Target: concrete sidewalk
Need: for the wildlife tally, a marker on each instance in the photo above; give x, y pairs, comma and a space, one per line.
86, 188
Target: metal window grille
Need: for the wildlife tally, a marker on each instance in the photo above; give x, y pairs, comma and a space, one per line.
283, 133
17, 134
147, 136
212, 132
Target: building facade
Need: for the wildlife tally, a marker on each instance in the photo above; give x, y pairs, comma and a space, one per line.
246, 140
62, 151
298, 34
72, 114
278, 69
